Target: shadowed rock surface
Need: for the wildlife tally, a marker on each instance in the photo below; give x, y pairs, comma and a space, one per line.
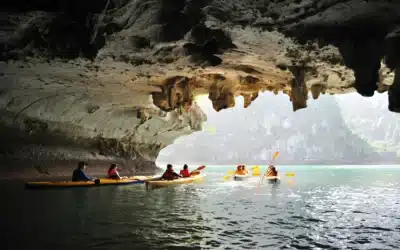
117, 78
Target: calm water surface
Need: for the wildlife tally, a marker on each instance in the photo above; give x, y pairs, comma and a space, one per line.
321, 207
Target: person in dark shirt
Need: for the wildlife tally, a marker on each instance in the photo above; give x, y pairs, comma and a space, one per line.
79, 173
169, 174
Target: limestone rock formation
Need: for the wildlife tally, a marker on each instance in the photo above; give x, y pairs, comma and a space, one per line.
328, 132
85, 72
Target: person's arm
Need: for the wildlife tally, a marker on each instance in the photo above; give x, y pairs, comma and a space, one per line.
177, 175
119, 177
86, 177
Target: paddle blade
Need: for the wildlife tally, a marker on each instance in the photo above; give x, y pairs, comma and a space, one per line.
275, 155
230, 172
290, 174
212, 130
256, 171
201, 168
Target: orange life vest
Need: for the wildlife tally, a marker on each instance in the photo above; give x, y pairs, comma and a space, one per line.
112, 173
185, 173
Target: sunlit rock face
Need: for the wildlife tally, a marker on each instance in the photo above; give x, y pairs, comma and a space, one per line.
101, 70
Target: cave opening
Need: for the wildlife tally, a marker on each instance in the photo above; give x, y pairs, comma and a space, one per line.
335, 129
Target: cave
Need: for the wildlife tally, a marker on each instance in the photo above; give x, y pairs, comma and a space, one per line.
115, 81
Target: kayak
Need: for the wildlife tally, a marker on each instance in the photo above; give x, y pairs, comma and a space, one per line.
273, 179
241, 177
157, 182
98, 182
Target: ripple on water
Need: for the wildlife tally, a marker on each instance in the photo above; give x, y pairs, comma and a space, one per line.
330, 213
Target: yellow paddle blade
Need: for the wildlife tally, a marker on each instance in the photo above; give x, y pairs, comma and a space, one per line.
256, 171
226, 177
275, 155
230, 172
212, 129
289, 174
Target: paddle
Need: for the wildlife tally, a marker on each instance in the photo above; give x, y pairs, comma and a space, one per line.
197, 171
229, 174
200, 168
273, 158
255, 171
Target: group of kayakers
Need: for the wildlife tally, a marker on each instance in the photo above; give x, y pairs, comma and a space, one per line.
271, 171
80, 175
169, 174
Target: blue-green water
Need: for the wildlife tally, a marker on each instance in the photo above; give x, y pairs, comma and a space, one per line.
322, 207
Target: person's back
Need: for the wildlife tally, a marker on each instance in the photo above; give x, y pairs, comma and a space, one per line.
185, 171
240, 170
79, 174
272, 171
76, 174
169, 174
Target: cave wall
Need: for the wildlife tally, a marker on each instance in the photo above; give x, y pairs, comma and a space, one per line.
47, 126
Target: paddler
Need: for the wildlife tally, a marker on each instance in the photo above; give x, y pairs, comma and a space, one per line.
185, 171
79, 173
272, 171
239, 170
244, 169
169, 174
113, 172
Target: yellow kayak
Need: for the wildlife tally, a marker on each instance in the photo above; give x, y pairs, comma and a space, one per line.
98, 182
157, 182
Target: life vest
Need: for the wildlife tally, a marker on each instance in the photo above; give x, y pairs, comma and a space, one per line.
272, 172
113, 172
240, 172
185, 173
168, 175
